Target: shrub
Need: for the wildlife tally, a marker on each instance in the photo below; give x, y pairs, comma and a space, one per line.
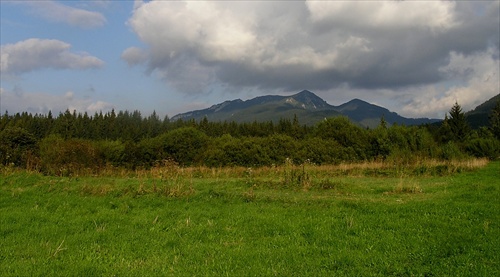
279, 147
111, 152
484, 147
67, 157
345, 133
185, 145
17, 146
451, 151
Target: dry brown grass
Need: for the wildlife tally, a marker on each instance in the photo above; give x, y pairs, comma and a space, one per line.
348, 169
169, 170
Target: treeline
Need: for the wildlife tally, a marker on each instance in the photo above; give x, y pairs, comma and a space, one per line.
73, 141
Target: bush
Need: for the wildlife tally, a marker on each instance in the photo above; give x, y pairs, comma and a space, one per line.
111, 152
185, 145
247, 151
451, 151
68, 157
17, 147
484, 148
280, 147
343, 131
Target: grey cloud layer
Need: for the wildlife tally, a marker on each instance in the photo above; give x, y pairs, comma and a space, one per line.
314, 45
33, 54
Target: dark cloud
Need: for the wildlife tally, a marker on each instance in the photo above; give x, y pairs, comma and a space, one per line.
318, 45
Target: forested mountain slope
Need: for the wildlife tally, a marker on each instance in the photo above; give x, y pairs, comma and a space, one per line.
479, 116
305, 105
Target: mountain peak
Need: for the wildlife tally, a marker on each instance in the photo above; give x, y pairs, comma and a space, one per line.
357, 105
309, 100
305, 92
307, 106
357, 100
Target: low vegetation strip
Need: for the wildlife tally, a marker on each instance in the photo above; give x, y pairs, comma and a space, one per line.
289, 220
74, 144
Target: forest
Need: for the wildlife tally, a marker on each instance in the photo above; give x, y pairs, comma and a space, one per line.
73, 142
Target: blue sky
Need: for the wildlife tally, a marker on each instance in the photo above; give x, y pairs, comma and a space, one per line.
112, 85
415, 58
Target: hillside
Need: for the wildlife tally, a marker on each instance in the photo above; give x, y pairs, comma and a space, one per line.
369, 115
479, 116
307, 106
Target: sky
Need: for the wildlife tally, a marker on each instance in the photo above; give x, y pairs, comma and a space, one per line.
416, 58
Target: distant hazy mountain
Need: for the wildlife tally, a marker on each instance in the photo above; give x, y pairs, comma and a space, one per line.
369, 115
479, 116
307, 106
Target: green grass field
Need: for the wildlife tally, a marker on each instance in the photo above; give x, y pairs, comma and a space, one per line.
293, 222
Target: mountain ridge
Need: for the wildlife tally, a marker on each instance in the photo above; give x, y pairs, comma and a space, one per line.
306, 105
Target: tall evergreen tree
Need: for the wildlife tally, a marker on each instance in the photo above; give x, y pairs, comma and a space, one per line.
495, 120
383, 123
165, 124
458, 124
444, 133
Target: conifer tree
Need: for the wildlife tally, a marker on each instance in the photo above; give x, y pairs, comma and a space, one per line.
445, 134
495, 120
458, 123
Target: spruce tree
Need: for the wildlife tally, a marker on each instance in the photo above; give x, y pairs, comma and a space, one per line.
458, 123
445, 134
495, 120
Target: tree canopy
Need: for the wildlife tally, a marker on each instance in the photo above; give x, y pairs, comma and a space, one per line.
127, 139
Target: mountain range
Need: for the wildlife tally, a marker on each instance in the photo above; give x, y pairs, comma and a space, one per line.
307, 106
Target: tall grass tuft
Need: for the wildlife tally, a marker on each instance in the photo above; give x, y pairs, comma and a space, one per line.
296, 176
407, 185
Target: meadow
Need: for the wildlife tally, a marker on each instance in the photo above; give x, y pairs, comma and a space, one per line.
369, 219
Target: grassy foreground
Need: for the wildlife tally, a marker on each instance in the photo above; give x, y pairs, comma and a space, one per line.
287, 221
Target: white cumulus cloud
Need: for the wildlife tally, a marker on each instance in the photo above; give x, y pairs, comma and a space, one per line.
479, 76
34, 54
392, 15
407, 49
134, 55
